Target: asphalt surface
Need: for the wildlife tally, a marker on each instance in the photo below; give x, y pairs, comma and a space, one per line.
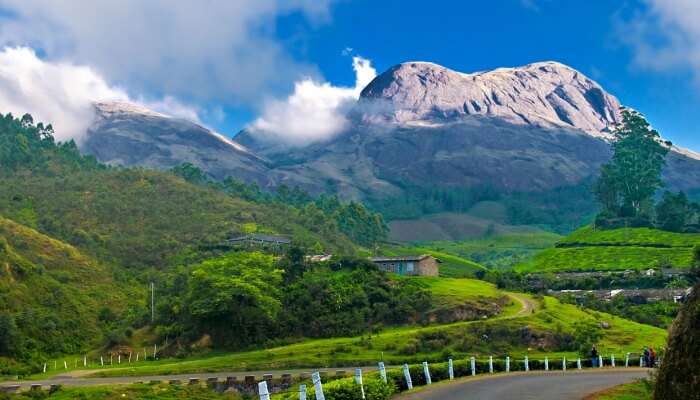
570, 385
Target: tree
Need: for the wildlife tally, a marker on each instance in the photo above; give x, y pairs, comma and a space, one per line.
191, 173
672, 211
235, 293
9, 335
628, 182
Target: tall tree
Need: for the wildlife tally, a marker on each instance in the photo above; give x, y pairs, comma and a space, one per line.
628, 182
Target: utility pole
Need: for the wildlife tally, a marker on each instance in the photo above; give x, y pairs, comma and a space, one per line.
153, 295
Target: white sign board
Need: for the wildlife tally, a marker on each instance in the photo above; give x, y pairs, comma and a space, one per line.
318, 386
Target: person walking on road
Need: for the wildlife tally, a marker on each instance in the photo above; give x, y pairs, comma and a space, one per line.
646, 356
652, 357
594, 357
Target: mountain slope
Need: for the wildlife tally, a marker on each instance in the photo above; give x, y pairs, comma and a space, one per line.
529, 129
52, 294
127, 134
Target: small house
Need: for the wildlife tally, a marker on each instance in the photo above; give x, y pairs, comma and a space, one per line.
424, 265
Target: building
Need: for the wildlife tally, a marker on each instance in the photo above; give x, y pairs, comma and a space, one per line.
318, 257
260, 241
425, 265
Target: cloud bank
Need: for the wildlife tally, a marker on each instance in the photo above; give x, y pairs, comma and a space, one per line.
315, 111
63, 94
198, 51
665, 35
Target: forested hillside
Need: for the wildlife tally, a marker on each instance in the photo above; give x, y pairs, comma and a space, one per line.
53, 299
80, 241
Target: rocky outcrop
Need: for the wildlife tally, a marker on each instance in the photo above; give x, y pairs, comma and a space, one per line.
129, 135
545, 94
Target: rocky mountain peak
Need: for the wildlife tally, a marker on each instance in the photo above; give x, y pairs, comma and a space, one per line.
542, 94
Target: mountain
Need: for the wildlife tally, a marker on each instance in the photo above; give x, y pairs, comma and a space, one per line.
127, 134
421, 138
532, 128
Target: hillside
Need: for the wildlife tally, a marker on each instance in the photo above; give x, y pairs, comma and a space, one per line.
53, 298
618, 249
550, 328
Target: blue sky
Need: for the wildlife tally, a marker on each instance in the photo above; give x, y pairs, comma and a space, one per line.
226, 63
470, 36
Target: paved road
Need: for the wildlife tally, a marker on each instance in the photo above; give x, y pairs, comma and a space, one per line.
572, 385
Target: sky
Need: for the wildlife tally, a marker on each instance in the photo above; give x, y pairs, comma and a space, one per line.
295, 65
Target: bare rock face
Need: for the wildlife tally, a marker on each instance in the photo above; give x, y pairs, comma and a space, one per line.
129, 135
546, 94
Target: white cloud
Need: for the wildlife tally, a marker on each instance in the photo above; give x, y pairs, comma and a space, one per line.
56, 93
665, 35
315, 111
63, 94
201, 51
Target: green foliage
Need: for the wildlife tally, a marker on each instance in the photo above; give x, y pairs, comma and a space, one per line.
191, 173
348, 389
678, 376
237, 291
675, 212
660, 313
246, 293
590, 249
125, 392
50, 295
628, 182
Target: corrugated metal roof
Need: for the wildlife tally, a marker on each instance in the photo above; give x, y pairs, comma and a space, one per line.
400, 258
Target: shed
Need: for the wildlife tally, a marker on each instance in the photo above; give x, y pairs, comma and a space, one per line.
425, 265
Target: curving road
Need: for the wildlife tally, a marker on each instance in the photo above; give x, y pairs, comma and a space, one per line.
573, 385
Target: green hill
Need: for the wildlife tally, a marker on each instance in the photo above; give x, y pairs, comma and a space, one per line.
53, 299
618, 249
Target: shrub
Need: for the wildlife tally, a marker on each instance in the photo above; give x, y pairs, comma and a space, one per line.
347, 389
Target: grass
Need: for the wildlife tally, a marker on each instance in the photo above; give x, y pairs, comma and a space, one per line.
638, 237
639, 390
499, 251
458, 339
618, 249
128, 392
600, 258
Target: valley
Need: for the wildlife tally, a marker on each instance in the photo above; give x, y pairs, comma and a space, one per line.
158, 238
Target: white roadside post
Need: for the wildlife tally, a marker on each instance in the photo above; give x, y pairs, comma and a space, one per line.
472, 361
641, 361
407, 376
358, 380
450, 369
318, 386
44, 367
426, 371
65, 364
600, 361
145, 355
262, 391
627, 360
382, 371
578, 363
302, 392
102, 361
129, 357
55, 364
85, 360
155, 349
563, 364
119, 358
612, 360
507, 364
490, 364
111, 356
137, 356
546, 363
527, 364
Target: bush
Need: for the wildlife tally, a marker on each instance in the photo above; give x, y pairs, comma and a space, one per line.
347, 389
